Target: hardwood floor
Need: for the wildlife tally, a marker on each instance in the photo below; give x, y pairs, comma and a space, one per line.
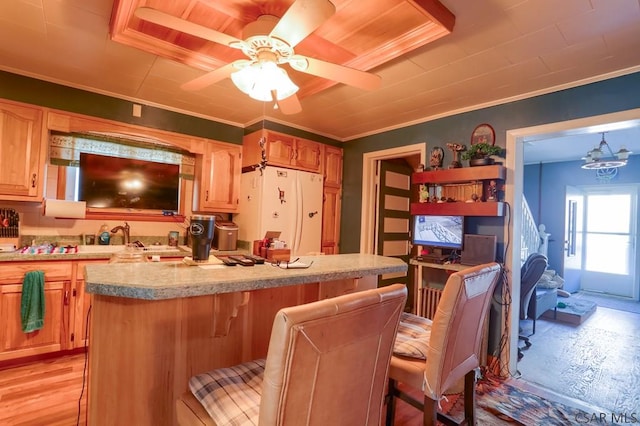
595, 363
44, 393
47, 393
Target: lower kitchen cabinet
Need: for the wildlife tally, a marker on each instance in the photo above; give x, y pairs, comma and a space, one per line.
82, 303
54, 335
331, 207
51, 338
66, 309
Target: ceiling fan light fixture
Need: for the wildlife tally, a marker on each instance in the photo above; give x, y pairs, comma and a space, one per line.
596, 159
261, 79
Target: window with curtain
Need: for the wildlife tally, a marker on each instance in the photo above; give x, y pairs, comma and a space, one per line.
65, 150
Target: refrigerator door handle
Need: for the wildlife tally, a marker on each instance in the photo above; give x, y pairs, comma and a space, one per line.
299, 218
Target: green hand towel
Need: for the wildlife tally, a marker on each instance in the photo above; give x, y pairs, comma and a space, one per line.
32, 303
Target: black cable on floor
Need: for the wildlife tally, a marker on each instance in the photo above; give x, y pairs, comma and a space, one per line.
84, 369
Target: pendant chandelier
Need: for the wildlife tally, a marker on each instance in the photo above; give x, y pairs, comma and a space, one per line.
602, 157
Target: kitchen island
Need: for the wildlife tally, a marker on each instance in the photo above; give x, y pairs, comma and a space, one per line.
154, 325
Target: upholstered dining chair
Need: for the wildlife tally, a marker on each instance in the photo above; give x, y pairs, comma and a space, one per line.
327, 364
434, 356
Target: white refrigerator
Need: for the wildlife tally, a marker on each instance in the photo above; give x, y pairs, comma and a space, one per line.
284, 200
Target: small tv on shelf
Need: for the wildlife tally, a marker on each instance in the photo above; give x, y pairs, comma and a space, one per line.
438, 231
115, 182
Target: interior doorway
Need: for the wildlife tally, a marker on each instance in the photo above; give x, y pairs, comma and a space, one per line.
394, 219
515, 140
415, 154
382, 228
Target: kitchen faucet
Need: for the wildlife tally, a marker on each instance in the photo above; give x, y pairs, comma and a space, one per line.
125, 230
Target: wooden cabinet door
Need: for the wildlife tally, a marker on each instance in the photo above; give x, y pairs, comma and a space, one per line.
308, 155
280, 149
333, 166
331, 220
81, 318
21, 151
219, 187
79, 315
14, 343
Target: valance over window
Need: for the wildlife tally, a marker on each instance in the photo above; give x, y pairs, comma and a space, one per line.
65, 149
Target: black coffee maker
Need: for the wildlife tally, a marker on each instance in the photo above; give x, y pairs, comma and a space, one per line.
201, 232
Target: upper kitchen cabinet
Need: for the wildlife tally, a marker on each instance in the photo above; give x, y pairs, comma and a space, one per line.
282, 150
333, 166
217, 184
332, 195
22, 149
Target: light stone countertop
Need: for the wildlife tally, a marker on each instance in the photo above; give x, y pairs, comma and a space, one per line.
170, 280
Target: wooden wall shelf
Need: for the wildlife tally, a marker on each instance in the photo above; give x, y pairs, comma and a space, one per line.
459, 184
489, 208
463, 174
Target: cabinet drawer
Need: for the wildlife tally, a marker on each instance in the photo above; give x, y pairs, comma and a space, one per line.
13, 273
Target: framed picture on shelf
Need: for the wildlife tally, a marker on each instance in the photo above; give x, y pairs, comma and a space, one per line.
483, 133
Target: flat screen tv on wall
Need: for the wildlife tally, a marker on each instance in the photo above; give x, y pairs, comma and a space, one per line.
114, 182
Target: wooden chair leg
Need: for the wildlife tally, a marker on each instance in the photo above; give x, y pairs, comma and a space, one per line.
430, 406
391, 402
470, 397
430, 415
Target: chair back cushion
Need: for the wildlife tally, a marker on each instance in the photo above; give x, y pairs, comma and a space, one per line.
328, 361
457, 328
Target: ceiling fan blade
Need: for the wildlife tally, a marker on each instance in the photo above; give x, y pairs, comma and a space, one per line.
301, 19
290, 105
157, 17
340, 73
210, 77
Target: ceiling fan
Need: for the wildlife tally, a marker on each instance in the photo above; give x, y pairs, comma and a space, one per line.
268, 43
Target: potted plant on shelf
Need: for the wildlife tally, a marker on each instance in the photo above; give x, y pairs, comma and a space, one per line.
479, 154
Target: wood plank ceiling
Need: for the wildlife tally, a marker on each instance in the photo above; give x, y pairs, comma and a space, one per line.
498, 51
355, 36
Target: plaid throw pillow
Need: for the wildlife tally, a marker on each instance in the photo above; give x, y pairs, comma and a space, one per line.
231, 395
413, 336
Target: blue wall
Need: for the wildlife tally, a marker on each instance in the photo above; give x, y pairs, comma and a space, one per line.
618, 94
544, 188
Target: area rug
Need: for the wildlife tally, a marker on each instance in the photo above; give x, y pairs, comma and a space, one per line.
611, 302
572, 311
508, 401
501, 403
597, 362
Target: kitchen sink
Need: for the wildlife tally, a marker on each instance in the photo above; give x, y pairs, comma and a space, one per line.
121, 247
101, 249
160, 248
